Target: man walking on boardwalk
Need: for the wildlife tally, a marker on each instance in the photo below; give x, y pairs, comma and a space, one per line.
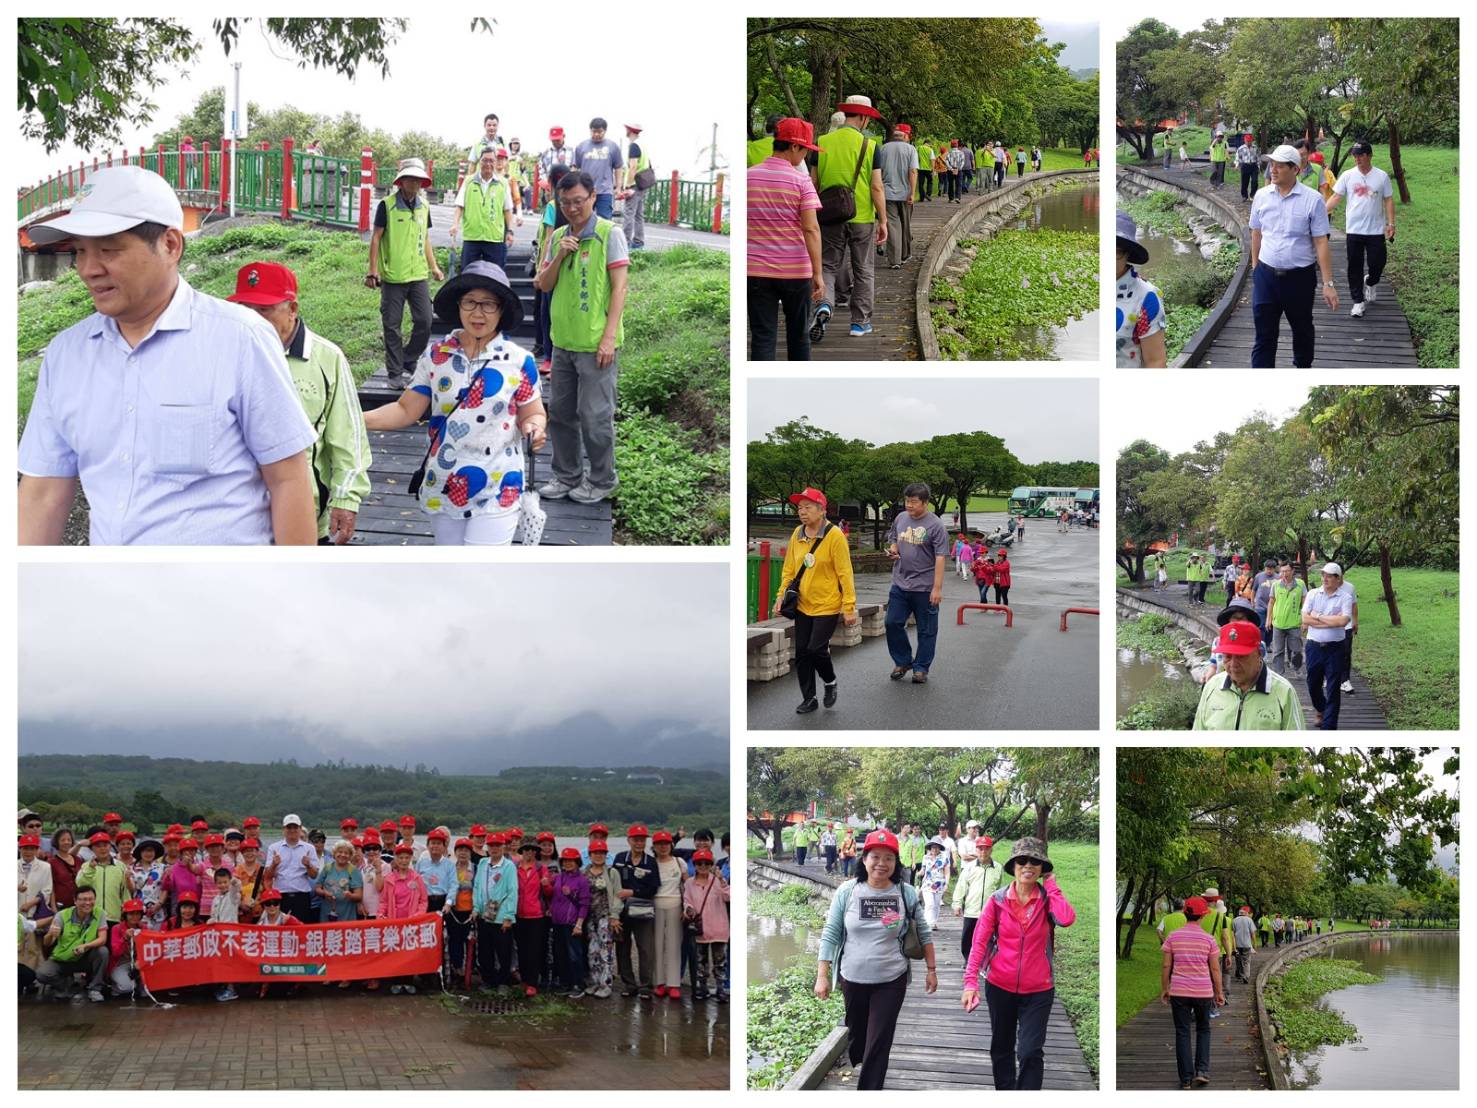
1369, 224
919, 547
1326, 615
899, 184
848, 160
1289, 252
401, 263
1246, 162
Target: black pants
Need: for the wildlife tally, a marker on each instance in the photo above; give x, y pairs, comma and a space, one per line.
800, 855
401, 356
951, 185
966, 940
457, 933
1187, 1010
871, 1020
767, 296
569, 957
1272, 297
1348, 653
925, 184
830, 853
1018, 1036
299, 906
494, 954
1002, 594
530, 935
1217, 173
813, 651
1248, 182
1325, 672
642, 932
1361, 248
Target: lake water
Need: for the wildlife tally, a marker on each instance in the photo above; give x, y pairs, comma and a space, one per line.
1138, 673
1068, 209
1407, 1023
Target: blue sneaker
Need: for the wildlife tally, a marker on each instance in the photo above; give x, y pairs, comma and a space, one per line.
860, 329
818, 325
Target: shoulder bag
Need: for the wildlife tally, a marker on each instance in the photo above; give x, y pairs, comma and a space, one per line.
790, 602
838, 202
912, 941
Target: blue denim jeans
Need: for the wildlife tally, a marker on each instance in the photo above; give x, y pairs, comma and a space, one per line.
483, 251
1325, 671
901, 604
605, 206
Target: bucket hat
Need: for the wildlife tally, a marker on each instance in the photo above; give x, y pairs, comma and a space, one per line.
1028, 847
1128, 234
479, 275
413, 167
1240, 605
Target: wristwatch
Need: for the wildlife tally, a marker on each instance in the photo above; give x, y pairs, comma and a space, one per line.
1329, 285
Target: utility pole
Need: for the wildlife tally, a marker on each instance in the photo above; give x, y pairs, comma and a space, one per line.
713, 155
235, 126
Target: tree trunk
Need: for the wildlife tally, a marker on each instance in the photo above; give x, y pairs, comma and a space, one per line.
779, 76
1123, 902
1303, 558
1398, 170
1043, 810
1388, 585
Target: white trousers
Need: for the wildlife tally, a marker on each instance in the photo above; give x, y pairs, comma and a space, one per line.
478, 531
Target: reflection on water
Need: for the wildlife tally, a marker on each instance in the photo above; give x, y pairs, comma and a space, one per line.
772, 943
1407, 1023
1070, 209
1138, 673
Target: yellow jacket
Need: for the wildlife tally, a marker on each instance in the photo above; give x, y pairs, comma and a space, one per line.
827, 586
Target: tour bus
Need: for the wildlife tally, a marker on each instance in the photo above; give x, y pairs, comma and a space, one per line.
1048, 500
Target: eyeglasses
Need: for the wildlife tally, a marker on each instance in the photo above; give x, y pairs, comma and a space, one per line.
479, 307
567, 201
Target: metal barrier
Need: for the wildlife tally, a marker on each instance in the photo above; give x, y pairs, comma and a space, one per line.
763, 575
1084, 611
1009, 615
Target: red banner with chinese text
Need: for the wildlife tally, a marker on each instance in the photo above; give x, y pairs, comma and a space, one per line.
218, 953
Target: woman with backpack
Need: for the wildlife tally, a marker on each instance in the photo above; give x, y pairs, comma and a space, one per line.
1013, 948
864, 949
817, 571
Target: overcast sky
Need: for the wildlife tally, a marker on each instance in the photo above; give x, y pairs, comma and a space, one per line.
383, 653
1040, 419
1162, 415
444, 80
1081, 40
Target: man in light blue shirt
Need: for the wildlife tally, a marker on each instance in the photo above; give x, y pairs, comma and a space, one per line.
1289, 250
176, 410
1326, 614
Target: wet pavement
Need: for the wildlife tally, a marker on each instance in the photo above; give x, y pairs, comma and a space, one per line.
323, 1039
1029, 677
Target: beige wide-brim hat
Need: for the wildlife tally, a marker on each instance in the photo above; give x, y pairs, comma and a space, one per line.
413, 167
859, 105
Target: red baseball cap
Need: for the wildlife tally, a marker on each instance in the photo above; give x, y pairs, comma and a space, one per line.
407, 821
101, 837
179, 828
905, 128
661, 837
358, 840
188, 844
599, 828
546, 837
264, 283
634, 127
556, 132
477, 829
569, 854
881, 837
112, 817
171, 838
125, 834
815, 496
637, 831
1239, 637
251, 844
1197, 906
797, 132
438, 834
514, 832
404, 848
372, 834
134, 905
199, 825
702, 856
251, 821
388, 825
598, 846
350, 824
273, 895
215, 840
463, 843
190, 896
497, 838
31, 840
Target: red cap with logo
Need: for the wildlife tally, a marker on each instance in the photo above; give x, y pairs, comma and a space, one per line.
815, 496
661, 837
112, 817
251, 844
133, 906
556, 132
497, 838
477, 829
350, 824
389, 825
264, 284
199, 825
546, 837
125, 834
438, 835
569, 854
190, 896
463, 843
31, 840
215, 840
101, 837
1239, 637
599, 829
797, 132
637, 831
881, 837
598, 846
407, 821
251, 821
1196, 905
702, 856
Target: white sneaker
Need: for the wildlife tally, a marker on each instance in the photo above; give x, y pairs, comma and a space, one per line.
1346, 687
1357, 310
1371, 293
555, 489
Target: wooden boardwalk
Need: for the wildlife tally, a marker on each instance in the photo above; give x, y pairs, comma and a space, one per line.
390, 516
1380, 339
1146, 1042
1358, 711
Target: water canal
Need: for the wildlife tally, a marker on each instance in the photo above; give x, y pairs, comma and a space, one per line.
1407, 1022
1068, 209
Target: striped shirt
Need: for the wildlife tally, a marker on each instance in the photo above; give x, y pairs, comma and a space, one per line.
778, 193
1193, 950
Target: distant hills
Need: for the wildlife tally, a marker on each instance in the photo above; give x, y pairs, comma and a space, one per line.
1083, 74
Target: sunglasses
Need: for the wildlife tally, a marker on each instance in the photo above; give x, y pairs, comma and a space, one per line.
1037, 862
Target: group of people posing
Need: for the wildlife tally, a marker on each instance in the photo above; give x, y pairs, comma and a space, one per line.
190, 420
879, 922
518, 911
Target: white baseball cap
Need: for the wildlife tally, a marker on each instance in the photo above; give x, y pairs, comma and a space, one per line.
112, 200
1333, 568
1285, 153
289, 820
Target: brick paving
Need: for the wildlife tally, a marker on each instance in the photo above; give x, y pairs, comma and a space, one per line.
328, 1040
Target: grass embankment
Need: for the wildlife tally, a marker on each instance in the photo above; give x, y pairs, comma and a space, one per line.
1189, 295
1292, 997
672, 424
1424, 264
786, 1022
1412, 669
988, 503
1195, 138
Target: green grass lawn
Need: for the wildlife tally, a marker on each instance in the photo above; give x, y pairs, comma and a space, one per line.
672, 436
1195, 138
1175, 566
1077, 984
1423, 262
988, 503
1411, 668
1057, 157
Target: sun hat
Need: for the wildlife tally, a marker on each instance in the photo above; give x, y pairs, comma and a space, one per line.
1128, 234
634, 127
1211, 893
814, 495
1028, 847
234, 833
112, 200
858, 105
1240, 606
797, 132
264, 284
530, 845
413, 167
1237, 638
148, 844
479, 275
933, 842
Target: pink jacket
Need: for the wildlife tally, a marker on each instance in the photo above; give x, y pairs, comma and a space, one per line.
1022, 959
715, 918
404, 895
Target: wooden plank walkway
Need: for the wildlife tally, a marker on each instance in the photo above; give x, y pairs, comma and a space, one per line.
934, 1027
1146, 1043
1380, 339
1358, 711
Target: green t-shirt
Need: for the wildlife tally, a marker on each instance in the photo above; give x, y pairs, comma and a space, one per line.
1271, 705
804, 836
1264, 925
836, 165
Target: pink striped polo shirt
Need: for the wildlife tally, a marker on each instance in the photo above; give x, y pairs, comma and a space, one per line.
778, 193
1192, 949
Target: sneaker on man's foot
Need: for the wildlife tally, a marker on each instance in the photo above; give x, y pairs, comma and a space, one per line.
860, 330
818, 325
1346, 687
555, 489
576, 994
1202, 1079
804, 708
1371, 292
410, 989
1357, 310
96, 996
632, 991
830, 695
587, 493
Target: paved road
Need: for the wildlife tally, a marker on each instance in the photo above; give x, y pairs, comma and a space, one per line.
1031, 677
323, 1039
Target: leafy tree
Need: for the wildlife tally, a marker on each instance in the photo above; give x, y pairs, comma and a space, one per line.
877, 476
1140, 464
969, 461
1051, 777
1142, 101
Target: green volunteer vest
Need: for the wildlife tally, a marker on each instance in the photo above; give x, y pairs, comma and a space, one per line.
837, 163
1287, 605
482, 217
643, 161
403, 246
1218, 152
581, 301
73, 936
760, 149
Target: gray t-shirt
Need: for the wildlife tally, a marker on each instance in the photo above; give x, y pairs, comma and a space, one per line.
896, 159
600, 160
875, 918
919, 542
1243, 929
